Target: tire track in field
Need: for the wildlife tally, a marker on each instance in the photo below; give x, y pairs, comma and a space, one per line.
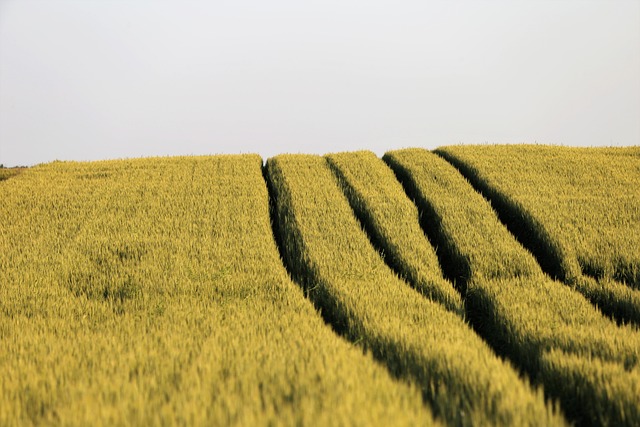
391, 223
331, 319
8, 173
417, 339
614, 299
545, 328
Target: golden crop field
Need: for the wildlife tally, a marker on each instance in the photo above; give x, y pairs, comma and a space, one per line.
151, 292
486, 285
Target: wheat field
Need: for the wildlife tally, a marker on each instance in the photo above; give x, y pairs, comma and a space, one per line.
470, 285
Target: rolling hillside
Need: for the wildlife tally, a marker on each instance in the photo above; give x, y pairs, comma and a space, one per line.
473, 285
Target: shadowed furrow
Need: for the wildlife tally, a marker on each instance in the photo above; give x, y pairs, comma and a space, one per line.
6, 173
576, 210
540, 324
392, 220
418, 339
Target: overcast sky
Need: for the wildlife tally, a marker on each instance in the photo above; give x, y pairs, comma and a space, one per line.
96, 79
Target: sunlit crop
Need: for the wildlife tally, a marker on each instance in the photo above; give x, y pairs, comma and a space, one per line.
471, 286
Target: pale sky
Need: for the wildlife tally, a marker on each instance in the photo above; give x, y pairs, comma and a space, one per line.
103, 79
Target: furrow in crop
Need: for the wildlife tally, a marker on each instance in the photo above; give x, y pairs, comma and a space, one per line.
556, 259
330, 317
330, 255
515, 306
6, 173
392, 224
